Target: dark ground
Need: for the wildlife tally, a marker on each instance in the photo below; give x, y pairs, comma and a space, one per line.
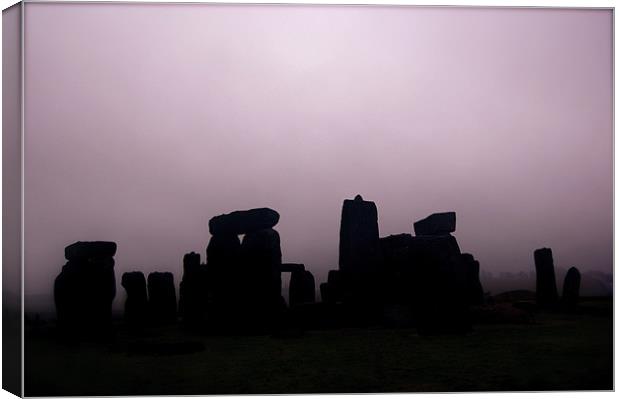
556, 352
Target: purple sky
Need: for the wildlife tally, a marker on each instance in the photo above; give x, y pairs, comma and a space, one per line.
143, 121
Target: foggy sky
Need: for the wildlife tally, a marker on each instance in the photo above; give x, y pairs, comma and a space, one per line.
144, 121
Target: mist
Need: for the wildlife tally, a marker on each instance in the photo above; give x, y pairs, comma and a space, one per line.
143, 124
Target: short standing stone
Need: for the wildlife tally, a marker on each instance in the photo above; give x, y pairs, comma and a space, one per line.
395, 251
475, 294
193, 289
243, 222
436, 224
162, 297
136, 304
570, 292
302, 288
546, 290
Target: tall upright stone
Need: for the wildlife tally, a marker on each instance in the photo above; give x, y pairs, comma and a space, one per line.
262, 259
85, 288
136, 304
570, 291
162, 297
359, 250
546, 290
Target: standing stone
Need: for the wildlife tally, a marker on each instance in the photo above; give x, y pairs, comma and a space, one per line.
359, 250
395, 250
475, 294
224, 250
570, 291
436, 224
438, 285
193, 289
85, 288
260, 278
162, 297
302, 288
243, 222
325, 298
546, 290
136, 304
336, 285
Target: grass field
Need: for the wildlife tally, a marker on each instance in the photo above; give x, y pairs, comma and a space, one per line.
557, 352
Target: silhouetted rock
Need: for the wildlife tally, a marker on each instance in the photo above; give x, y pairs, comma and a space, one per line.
260, 279
136, 304
359, 250
436, 224
85, 288
90, 249
438, 285
546, 290
224, 249
301, 288
193, 289
570, 291
395, 250
292, 267
162, 297
475, 294
243, 222
336, 286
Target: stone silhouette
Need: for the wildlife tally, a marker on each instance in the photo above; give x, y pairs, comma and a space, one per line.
475, 294
546, 290
439, 285
243, 222
359, 249
193, 289
436, 224
136, 304
570, 291
243, 281
162, 297
85, 288
301, 288
261, 279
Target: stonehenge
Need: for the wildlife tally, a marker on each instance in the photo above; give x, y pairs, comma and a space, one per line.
421, 279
